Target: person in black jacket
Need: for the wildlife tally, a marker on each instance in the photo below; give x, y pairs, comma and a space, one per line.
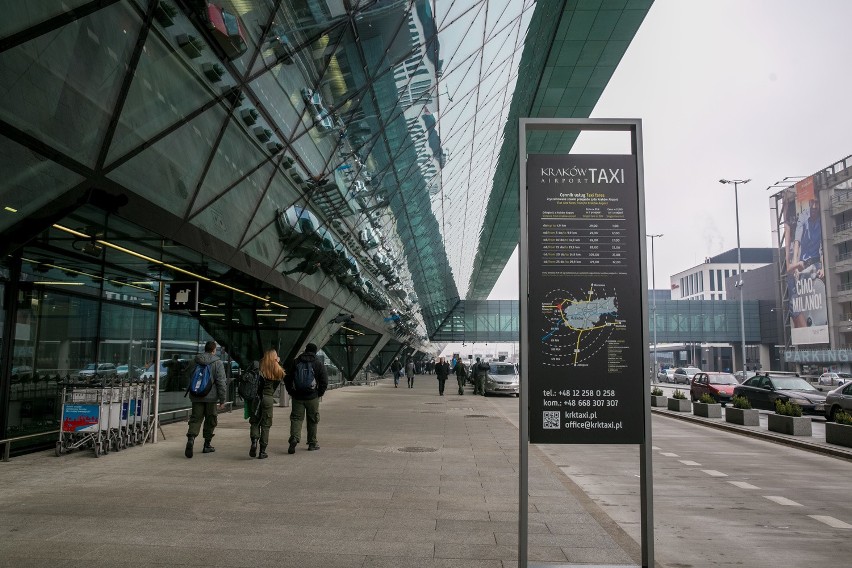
442, 370
305, 398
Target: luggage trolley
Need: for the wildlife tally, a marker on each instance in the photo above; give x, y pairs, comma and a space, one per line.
82, 420
134, 412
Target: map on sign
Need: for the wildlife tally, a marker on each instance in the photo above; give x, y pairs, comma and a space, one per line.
578, 324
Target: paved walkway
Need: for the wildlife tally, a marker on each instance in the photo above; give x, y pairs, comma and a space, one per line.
404, 478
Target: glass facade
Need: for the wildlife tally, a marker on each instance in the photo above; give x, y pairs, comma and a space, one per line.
299, 159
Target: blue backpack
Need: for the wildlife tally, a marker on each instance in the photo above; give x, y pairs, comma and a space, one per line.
201, 382
304, 380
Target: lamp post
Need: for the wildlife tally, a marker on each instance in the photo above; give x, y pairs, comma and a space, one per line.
654, 291
739, 283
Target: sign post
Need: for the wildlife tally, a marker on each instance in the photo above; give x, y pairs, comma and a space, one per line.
584, 305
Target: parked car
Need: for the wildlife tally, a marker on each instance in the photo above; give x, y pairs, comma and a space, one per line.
763, 390
319, 114
21, 373
834, 379
502, 378
742, 376
101, 370
684, 375
838, 399
718, 385
226, 30
148, 374
665, 376
126, 371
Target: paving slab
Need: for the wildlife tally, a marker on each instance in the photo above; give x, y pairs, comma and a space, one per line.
403, 478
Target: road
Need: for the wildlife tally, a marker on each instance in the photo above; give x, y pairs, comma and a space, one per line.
720, 498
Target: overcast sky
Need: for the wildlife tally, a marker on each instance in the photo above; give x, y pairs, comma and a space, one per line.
758, 89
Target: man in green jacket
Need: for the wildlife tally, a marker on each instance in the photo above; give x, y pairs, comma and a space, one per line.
305, 399
461, 375
205, 408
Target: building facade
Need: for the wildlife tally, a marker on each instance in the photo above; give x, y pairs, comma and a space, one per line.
707, 281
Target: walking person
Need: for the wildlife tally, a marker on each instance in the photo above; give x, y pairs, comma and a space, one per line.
396, 368
442, 370
461, 375
306, 382
409, 373
271, 374
205, 408
480, 369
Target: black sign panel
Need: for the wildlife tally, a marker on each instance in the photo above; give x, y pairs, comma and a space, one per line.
587, 380
183, 296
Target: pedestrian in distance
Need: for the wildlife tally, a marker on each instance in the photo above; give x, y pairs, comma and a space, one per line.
205, 408
461, 375
306, 382
442, 371
271, 374
480, 369
396, 368
409, 373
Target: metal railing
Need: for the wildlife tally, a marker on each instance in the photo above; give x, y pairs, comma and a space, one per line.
7, 443
842, 227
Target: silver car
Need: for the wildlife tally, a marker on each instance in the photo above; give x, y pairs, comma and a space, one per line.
838, 399
502, 378
834, 379
684, 375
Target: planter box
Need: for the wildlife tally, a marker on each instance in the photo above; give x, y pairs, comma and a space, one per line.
840, 434
190, 45
707, 410
680, 404
793, 425
659, 401
742, 416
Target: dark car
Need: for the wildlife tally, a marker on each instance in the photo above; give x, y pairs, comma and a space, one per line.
226, 29
718, 385
763, 390
838, 399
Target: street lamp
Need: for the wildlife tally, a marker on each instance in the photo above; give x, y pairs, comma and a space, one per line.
739, 283
654, 291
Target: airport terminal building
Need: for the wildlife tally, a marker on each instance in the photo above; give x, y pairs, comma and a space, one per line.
324, 171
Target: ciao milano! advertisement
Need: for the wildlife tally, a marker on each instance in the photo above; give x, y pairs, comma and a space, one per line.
804, 272
586, 327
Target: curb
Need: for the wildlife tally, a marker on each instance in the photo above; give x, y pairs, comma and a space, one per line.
837, 452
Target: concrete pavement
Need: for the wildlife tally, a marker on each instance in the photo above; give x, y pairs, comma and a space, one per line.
404, 478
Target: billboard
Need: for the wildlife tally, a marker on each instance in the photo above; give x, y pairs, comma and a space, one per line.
587, 380
807, 308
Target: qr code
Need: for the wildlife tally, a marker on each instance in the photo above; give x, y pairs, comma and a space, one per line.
551, 419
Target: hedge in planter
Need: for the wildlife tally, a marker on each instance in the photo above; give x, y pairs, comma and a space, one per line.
742, 413
657, 398
840, 431
679, 402
707, 407
788, 419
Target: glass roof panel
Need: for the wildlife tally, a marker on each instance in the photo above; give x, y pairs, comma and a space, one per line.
393, 125
29, 181
168, 172
62, 85
163, 92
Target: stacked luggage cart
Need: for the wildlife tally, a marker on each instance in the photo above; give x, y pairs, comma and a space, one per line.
105, 417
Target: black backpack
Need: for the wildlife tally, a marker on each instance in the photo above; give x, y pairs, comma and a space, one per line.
304, 380
250, 385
